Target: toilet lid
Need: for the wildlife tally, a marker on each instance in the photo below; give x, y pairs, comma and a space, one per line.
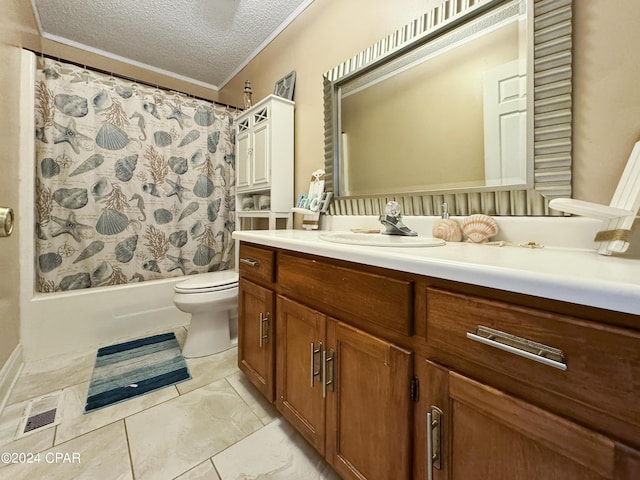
208, 282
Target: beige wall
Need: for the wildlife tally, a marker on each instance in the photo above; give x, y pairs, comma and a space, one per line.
17, 27
606, 78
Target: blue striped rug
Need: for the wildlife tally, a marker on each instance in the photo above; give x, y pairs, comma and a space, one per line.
133, 368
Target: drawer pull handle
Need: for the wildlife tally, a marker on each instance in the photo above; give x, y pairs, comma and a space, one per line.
264, 331
315, 373
535, 351
250, 261
434, 441
327, 381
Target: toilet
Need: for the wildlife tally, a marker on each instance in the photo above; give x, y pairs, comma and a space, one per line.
212, 300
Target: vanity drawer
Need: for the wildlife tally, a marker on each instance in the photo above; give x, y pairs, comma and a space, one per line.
373, 299
256, 263
601, 363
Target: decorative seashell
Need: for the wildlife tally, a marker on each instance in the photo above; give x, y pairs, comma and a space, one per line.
179, 165
178, 239
126, 248
94, 247
204, 117
137, 277
447, 230
197, 159
189, 137
50, 73
188, 210
75, 282
162, 138
71, 105
101, 188
125, 166
212, 141
111, 137
151, 108
49, 167
151, 265
212, 210
162, 216
151, 189
203, 187
72, 198
124, 92
40, 233
101, 272
197, 229
230, 158
203, 255
111, 222
90, 163
49, 261
479, 228
100, 100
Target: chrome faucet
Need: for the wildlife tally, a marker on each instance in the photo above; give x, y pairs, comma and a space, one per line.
392, 220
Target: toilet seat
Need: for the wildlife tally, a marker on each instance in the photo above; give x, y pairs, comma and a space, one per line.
208, 282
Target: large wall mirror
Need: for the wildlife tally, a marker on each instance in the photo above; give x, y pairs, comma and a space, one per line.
470, 104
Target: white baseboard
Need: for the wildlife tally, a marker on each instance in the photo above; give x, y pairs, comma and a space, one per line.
9, 375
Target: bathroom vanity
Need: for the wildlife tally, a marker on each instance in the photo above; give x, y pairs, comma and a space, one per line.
457, 362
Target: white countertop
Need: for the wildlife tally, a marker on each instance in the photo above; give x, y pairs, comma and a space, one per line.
572, 275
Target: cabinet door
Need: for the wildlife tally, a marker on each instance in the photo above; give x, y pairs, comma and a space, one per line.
369, 409
243, 159
256, 345
298, 384
486, 433
260, 175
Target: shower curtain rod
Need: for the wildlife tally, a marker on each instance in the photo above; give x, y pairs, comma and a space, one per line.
134, 80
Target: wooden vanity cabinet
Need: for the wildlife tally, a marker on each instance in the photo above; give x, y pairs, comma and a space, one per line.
366, 363
346, 391
484, 433
256, 318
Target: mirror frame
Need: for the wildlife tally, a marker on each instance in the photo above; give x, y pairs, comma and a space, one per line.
549, 129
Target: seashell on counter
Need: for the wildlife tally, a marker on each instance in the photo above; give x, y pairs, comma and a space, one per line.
479, 228
447, 229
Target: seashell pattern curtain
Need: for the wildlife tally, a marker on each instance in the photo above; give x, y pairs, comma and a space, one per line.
132, 183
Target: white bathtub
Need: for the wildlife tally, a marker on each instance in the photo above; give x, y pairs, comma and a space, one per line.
82, 320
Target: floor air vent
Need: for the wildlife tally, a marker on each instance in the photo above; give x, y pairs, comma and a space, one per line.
40, 413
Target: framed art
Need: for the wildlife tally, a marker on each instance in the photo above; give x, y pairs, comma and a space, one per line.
284, 86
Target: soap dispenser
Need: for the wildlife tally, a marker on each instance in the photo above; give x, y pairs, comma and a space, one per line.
446, 228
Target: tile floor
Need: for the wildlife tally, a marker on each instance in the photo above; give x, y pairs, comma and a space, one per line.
215, 426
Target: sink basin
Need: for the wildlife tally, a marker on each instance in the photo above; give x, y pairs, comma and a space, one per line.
380, 240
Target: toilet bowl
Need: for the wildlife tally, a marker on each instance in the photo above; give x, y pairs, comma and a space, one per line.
212, 300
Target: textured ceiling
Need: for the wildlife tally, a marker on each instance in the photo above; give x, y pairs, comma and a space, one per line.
203, 41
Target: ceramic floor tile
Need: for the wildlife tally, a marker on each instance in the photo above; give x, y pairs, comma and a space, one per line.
264, 409
75, 422
101, 454
10, 420
205, 370
48, 375
173, 437
275, 452
204, 471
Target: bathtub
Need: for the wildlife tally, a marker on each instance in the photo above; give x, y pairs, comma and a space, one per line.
82, 320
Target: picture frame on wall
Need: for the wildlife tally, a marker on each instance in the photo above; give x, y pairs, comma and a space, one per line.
285, 86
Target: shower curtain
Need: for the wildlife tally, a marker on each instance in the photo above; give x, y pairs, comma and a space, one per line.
132, 183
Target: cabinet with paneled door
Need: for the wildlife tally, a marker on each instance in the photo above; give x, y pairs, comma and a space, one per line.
467, 430
264, 160
347, 392
256, 318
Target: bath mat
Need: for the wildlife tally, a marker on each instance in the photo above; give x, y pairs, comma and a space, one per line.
133, 368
